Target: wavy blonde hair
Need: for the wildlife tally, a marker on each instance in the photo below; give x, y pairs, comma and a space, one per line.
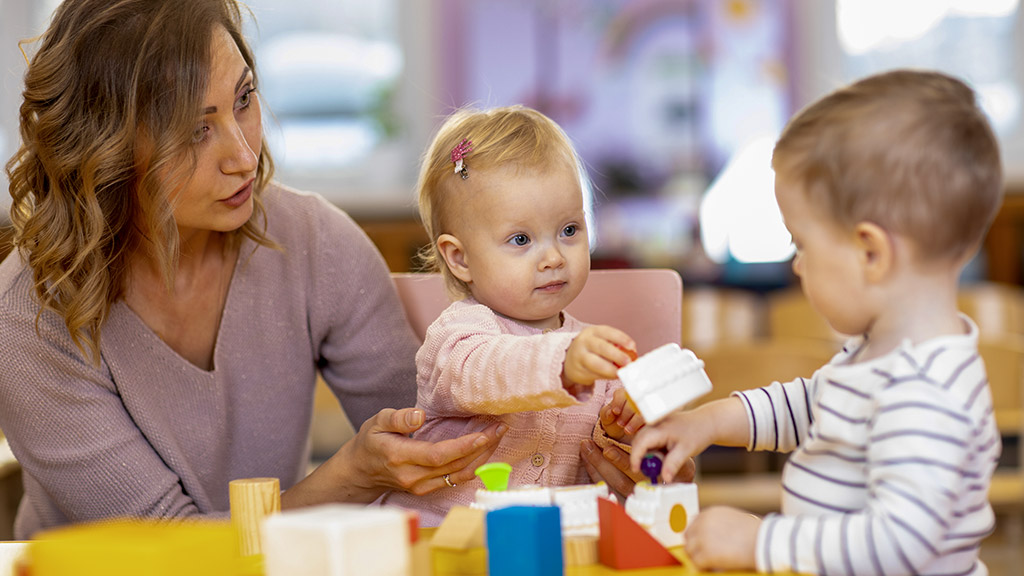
111, 101
507, 137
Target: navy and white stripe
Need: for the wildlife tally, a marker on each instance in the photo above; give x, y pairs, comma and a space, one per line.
890, 466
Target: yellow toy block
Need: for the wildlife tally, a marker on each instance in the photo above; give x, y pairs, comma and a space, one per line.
458, 546
132, 547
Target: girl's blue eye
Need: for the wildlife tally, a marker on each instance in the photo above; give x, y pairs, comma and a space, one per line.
520, 240
570, 230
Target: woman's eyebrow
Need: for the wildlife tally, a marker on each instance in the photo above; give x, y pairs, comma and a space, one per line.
241, 79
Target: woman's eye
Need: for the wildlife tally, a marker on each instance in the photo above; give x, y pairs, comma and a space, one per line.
520, 240
570, 230
246, 98
200, 133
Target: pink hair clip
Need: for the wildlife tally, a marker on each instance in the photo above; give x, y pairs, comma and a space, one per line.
459, 154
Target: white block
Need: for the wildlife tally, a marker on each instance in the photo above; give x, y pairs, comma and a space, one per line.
665, 510
664, 380
578, 506
532, 495
337, 540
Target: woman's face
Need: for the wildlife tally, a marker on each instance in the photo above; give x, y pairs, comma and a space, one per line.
227, 142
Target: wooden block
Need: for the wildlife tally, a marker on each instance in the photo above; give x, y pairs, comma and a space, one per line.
337, 540
580, 550
624, 544
252, 500
664, 380
461, 529
457, 548
525, 540
469, 562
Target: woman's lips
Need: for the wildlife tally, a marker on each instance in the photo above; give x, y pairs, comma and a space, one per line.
239, 197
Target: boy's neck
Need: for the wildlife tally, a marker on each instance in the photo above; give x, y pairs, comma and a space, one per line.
915, 307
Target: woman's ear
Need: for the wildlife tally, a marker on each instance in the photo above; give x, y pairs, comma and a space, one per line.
450, 249
877, 251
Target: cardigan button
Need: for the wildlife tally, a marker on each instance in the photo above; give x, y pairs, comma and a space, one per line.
538, 460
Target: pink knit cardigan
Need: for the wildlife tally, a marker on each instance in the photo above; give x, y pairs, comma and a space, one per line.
477, 367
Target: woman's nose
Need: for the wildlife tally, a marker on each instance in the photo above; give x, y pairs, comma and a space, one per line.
239, 156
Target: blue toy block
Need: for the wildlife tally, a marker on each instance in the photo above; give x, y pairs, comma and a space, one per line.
525, 540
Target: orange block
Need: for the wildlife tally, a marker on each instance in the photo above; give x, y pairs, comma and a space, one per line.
624, 544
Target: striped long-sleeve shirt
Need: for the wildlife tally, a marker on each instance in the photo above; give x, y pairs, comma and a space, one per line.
890, 466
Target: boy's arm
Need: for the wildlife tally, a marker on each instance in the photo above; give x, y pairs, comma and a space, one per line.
687, 433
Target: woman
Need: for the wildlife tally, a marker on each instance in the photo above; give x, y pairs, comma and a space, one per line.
167, 306
166, 309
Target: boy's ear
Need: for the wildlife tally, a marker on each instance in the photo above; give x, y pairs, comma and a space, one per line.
450, 249
876, 250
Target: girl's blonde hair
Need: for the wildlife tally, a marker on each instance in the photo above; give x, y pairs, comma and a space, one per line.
910, 151
511, 137
111, 101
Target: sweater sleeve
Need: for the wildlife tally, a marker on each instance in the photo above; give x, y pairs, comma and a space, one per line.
365, 346
469, 365
71, 432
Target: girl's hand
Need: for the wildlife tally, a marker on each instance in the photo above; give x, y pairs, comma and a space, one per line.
596, 353
723, 538
619, 418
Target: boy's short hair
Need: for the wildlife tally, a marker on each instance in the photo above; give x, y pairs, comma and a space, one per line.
508, 137
910, 151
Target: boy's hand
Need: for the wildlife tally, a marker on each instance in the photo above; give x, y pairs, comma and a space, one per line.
596, 353
619, 418
723, 538
680, 434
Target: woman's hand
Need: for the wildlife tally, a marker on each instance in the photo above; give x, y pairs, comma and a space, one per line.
382, 457
611, 466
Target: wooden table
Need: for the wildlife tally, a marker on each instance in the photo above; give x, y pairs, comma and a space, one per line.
421, 565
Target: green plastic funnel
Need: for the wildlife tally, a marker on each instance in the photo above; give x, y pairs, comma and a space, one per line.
494, 475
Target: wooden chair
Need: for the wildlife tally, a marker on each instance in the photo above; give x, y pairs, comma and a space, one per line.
1004, 363
996, 308
719, 315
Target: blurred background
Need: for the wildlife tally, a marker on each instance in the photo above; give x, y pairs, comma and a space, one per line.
673, 104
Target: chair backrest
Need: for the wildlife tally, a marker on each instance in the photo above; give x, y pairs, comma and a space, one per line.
646, 303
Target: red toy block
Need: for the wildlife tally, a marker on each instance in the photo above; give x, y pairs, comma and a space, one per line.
624, 544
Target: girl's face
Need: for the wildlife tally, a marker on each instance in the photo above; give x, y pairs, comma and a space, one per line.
523, 238
227, 141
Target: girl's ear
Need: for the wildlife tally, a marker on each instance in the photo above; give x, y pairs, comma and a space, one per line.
877, 252
450, 249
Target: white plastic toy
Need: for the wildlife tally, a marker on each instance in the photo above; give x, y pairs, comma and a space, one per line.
665, 510
664, 380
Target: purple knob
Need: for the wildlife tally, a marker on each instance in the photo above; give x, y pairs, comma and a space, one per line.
650, 466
